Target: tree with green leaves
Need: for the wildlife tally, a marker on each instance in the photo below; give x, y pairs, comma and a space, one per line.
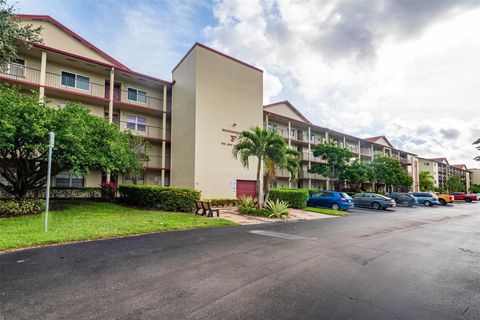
140, 153
13, 33
83, 142
455, 184
336, 161
388, 172
290, 161
261, 144
425, 181
357, 173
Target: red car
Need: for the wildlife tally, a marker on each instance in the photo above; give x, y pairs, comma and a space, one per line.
467, 197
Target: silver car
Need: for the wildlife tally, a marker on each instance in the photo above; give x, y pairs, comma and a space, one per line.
373, 200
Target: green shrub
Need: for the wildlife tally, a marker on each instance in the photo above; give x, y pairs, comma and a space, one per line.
247, 202
313, 191
9, 208
62, 193
277, 209
296, 198
259, 212
223, 202
161, 198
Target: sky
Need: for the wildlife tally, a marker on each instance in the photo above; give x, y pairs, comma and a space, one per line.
409, 70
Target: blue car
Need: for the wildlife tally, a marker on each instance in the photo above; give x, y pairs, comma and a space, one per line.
426, 198
330, 199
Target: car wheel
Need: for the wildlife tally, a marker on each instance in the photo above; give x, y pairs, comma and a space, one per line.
427, 203
468, 200
376, 206
335, 206
405, 203
442, 202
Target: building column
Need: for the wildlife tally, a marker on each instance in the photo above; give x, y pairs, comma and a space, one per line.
164, 134
359, 153
110, 106
290, 144
309, 157
43, 76
373, 152
344, 142
266, 121
326, 136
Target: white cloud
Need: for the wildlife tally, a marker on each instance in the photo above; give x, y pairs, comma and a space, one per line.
367, 67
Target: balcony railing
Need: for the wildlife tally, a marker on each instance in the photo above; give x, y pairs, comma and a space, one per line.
78, 86
20, 73
155, 162
146, 131
366, 151
353, 148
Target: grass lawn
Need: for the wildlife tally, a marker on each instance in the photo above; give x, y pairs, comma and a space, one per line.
95, 220
327, 211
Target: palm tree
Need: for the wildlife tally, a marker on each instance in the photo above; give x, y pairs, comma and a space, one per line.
290, 162
262, 144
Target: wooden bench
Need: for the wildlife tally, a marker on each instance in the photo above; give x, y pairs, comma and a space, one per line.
205, 207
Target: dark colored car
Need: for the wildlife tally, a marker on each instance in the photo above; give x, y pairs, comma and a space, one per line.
373, 200
403, 199
330, 199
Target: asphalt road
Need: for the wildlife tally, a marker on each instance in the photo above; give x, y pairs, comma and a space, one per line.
405, 264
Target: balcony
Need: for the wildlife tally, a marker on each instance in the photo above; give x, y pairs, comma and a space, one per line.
79, 86
148, 132
353, 148
21, 74
366, 151
155, 162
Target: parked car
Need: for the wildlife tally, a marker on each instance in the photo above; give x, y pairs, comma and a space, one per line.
467, 197
445, 199
426, 198
403, 199
330, 199
373, 200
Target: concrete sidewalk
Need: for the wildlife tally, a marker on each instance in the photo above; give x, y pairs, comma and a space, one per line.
232, 214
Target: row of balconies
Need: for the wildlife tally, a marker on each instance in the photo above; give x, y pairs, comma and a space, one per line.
80, 86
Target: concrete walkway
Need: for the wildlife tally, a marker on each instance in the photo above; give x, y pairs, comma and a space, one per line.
232, 214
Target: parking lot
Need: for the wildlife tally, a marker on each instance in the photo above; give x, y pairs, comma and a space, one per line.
459, 205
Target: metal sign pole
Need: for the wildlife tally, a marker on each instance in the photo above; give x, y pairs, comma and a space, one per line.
49, 172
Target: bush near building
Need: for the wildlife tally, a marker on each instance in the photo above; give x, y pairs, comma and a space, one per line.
161, 198
223, 202
296, 198
10, 208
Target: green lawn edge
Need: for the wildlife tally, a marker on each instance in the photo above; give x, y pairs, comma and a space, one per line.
94, 221
330, 212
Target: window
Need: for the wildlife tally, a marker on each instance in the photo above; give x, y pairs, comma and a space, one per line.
137, 95
16, 68
312, 137
75, 81
136, 123
272, 127
293, 133
67, 179
426, 164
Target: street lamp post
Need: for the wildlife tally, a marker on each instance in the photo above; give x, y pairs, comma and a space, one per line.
49, 173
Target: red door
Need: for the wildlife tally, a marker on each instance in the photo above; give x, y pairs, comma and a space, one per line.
246, 188
116, 90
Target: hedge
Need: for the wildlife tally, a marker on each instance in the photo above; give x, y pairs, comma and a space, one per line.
9, 208
223, 202
62, 193
161, 198
259, 212
296, 198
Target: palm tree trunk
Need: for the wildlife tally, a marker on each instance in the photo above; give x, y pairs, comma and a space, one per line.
259, 190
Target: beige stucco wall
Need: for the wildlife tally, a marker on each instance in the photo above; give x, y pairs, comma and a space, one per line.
475, 176
284, 110
432, 169
183, 123
229, 97
214, 98
54, 37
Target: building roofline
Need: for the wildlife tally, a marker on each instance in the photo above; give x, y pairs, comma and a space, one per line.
197, 44
73, 34
291, 106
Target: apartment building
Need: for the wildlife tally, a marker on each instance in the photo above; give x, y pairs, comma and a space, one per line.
191, 121
66, 68
302, 135
475, 176
440, 170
